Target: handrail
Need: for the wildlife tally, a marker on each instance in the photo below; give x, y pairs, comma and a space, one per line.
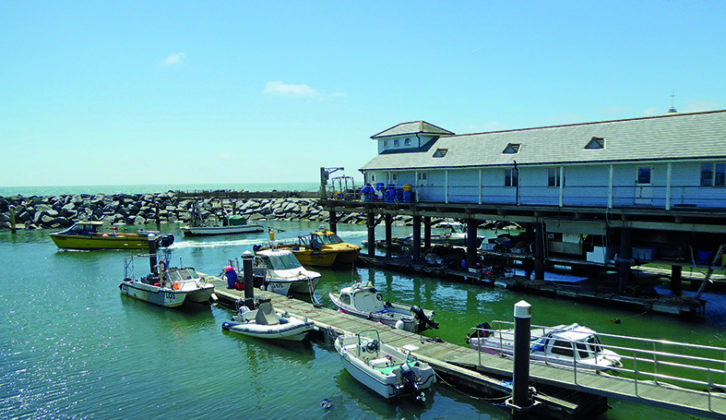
666, 367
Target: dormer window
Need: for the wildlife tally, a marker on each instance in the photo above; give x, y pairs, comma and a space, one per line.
511, 149
396, 143
407, 141
595, 143
439, 153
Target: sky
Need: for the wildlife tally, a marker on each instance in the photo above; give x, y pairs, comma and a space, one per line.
199, 92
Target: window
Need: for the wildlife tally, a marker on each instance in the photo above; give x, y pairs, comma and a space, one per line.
439, 153
511, 177
407, 141
422, 175
385, 143
563, 347
553, 177
595, 143
511, 149
713, 174
394, 177
396, 143
644, 175
373, 178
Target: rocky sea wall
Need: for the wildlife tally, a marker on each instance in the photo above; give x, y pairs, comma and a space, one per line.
60, 211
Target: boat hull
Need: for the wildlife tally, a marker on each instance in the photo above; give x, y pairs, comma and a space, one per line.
220, 230
91, 243
293, 330
165, 297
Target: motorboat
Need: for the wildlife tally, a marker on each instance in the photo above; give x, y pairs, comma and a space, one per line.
322, 248
86, 235
282, 273
229, 225
166, 286
264, 322
569, 345
383, 368
364, 301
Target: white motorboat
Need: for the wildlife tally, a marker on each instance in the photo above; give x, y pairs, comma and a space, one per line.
364, 301
264, 322
383, 368
199, 226
562, 345
282, 273
166, 286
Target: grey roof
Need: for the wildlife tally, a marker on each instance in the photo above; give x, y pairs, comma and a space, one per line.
666, 137
413, 127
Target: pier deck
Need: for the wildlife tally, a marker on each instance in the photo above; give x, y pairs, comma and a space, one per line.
467, 367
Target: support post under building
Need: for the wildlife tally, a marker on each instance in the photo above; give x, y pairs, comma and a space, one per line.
371, 224
427, 232
416, 237
471, 239
539, 245
626, 254
333, 221
389, 236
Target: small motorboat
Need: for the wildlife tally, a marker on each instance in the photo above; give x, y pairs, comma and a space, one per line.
321, 248
383, 368
228, 225
364, 301
264, 322
87, 236
166, 286
282, 273
562, 345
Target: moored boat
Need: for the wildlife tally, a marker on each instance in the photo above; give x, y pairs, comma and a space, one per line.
166, 286
87, 236
364, 301
229, 225
384, 369
321, 248
282, 273
264, 322
569, 345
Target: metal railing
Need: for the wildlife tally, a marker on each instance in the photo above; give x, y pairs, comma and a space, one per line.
691, 368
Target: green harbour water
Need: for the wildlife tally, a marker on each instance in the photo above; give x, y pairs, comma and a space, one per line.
72, 347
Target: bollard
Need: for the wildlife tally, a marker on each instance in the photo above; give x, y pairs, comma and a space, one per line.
158, 220
152, 254
520, 382
249, 289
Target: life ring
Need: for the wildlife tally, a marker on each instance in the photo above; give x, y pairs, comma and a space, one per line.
162, 265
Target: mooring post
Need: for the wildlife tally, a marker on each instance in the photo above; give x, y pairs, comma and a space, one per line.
389, 235
333, 221
371, 235
676, 280
626, 254
158, 219
247, 258
471, 242
539, 246
520, 382
12, 218
427, 232
152, 253
416, 237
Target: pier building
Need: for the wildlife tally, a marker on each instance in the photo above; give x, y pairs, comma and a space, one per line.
604, 195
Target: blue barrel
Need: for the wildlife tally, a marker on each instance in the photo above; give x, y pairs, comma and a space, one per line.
407, 196
399, 194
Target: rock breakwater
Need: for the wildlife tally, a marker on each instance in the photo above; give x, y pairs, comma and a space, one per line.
60, 211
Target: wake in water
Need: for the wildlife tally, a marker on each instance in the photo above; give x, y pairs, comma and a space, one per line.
215, 244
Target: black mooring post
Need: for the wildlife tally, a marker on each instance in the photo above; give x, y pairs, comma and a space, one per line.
471, 240
520, 383
676, 280
626, 254
371, 236
152, 254
539, 246
427, 232
333, 221
249, 285
416, 237
389, 235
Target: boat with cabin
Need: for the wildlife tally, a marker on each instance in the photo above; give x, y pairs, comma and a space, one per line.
279, 271
569, 345
265, 322
86, 235
383, 368
364, 301
234, 224
322, 248
165, 286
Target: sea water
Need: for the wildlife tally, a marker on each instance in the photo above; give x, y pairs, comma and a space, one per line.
72, 346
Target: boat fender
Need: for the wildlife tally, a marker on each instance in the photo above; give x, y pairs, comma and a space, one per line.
379, 297
399, 324
176, 285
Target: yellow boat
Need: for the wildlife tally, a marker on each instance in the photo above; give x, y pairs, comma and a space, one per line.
321, 248
86, 236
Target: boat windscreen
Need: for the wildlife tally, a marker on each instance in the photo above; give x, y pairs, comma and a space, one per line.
582, 350
284, 261
331, 239
595, 345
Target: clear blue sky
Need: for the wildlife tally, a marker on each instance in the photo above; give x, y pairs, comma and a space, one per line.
267, 91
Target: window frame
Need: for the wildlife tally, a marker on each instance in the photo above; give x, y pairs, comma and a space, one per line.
511, 178
554, 181
638, 174
716, 174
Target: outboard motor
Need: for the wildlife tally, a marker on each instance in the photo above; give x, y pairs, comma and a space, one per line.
485, 330
410, 384
423, 319
166, 240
